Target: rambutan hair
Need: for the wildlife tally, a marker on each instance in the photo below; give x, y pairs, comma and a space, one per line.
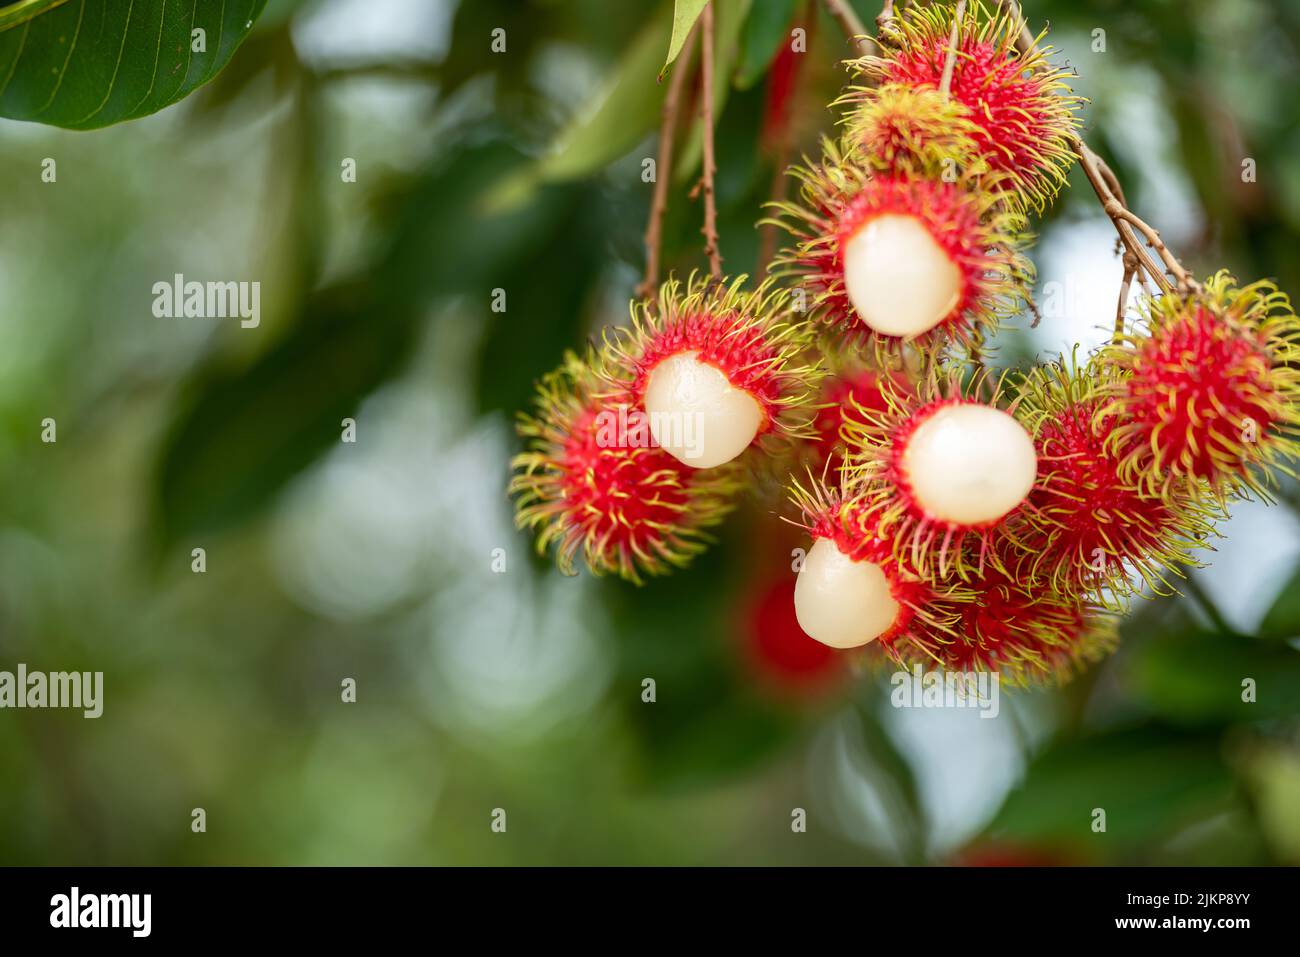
966, 219
1206, 398
832, 513
622, 505
1089, 526
846, 393
755, 338
1022, 107
875, 474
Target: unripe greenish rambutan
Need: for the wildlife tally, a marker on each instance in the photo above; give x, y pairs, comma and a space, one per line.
1206, 398
592, 485
898, 128
716, 368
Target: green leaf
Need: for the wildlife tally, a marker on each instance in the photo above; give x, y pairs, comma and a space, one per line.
766, 27
685, 13
1151, 781
1283, 619
624, 111
91, 63
1197, 678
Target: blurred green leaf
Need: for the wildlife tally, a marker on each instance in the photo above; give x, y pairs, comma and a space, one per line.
766, 27
899, 780
1198, 677
706, 723
1149, 780
1283, 619
243, 434
623, 112
85, 65
685, 13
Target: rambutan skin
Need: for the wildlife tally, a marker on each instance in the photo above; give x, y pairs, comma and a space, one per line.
754, 338
594, 490
1088, 526
1207, 391
896, 128
1023, 110
840, 196
850, 395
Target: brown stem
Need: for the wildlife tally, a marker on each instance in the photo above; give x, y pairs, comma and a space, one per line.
851, 24
945, 82
663, 168
1130, 268
1106, 185
710, 229
885, 19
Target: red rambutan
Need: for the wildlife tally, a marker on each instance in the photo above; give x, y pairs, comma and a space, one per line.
1023, 109
1207, 394
590, 486
1089, 526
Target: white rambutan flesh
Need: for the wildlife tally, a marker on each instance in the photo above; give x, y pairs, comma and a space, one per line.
969, 464
899, 280
696, 414
840, 602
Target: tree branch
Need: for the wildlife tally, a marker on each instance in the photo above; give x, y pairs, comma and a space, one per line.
710, 229
852, 26
663, 167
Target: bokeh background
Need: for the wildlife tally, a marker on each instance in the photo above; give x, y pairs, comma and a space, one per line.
521, 689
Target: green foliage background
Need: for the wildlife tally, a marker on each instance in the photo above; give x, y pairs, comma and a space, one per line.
522, 171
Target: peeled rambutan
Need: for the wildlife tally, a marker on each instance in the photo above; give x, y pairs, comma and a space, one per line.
1089, 525
716, 368
1207, 395
593, 485
1022, 107
854, 588
897, 257
898, 128
940, 471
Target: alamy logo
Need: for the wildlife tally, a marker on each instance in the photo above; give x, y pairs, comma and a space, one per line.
953, 689
179, 299
55, 689
74, 909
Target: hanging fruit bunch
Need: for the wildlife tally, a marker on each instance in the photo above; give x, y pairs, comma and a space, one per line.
956, 518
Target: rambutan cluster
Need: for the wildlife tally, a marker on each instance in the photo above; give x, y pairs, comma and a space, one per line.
955, 519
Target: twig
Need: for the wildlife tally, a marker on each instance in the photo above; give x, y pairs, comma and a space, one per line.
663, 168
945, 82
1130, 268
885, 19
850, 23
1106, 185
710, 229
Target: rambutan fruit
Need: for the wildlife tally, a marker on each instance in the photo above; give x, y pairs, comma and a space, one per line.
853, 587
1022, 107
849, 394
716, 368
783, 659
941, 470
594, 487
1089, 525
897, 257
1027, 635
898, 128
1207, 396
